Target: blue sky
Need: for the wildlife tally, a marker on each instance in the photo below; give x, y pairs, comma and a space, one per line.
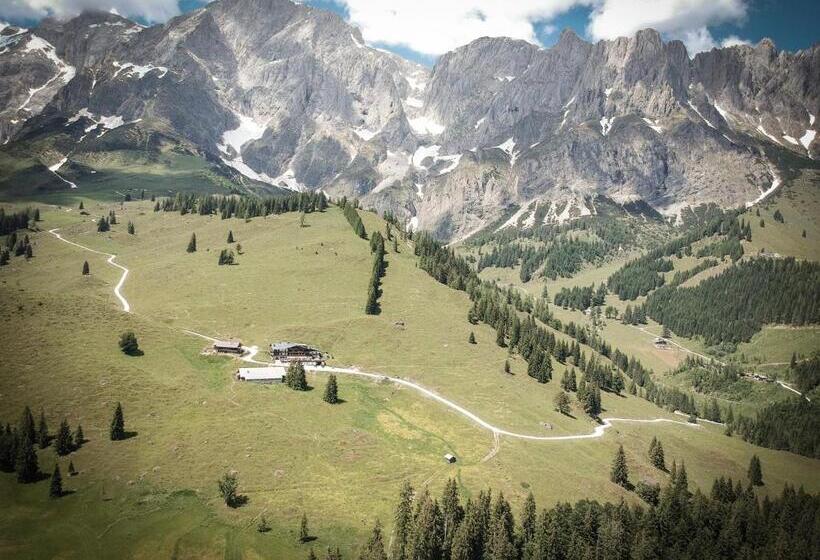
424, 29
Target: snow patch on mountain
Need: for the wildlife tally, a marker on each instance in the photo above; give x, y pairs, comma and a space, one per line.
248, 130
426, 125
762, 131
130, 70
695, 109
653, 125
508, 147
424, 152
606, 124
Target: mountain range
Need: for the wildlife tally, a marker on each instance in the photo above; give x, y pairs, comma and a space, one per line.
499, 132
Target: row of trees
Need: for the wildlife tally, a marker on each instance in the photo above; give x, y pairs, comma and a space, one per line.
352, 216
374, 287
244, 207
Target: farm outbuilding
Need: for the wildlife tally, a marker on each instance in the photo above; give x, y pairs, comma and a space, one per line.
450, 458
272, 374
295, 352
228, 346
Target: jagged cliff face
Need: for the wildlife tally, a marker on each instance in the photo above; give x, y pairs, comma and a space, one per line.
290, 96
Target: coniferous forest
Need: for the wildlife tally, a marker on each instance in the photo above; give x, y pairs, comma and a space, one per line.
734, 305
728, 523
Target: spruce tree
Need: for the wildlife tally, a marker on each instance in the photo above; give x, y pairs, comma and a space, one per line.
27, 425
103, 225
262, 526
192, 244
128, 343
471, 338
227, 489
402, 524
55, 489
331, 395
374, 547
755, 471
63, 443
81, 207
295, 377
230, 236
656, 456
71, 470
86, 269
79, 437
507, 366
42, 431
29, 251
25, 464
562, 404
118, 424
619, 473
131, 229
304, 533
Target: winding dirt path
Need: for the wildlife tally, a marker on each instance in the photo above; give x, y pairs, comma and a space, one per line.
599, 430
125, 305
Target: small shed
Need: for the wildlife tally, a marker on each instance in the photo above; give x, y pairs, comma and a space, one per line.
228, 346
271, 374
450, 458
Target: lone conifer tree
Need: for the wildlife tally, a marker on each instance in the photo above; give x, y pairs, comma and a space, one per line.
118, 424
86, 268
192, 244
331, 390
71, 470
304, 534
55, 489
227, 489
79, 438
25, 464
620, 473
656, 454
131, 229
507, 366
755, 471
403, 523
128, 343
29, 251
81, 207
42, 431
471, 340
64, 444
230, 236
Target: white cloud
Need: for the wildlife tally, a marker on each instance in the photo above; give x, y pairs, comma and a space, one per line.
733, 41
687, 20
436, 26
149, 10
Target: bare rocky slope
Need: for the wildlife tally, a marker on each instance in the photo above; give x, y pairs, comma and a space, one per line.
291, 96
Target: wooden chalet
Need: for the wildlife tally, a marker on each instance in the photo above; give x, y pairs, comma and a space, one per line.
295, 352
228, 346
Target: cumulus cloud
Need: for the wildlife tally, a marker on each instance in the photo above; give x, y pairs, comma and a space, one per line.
148, 10
687, 20
436, 26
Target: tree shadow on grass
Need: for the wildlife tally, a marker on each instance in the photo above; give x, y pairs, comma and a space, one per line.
135, 353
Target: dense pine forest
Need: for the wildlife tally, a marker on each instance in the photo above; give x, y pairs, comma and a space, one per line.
734, 305
729, 523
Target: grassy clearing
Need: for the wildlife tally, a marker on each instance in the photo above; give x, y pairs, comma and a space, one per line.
154, 495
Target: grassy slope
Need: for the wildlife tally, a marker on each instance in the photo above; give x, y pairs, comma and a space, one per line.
342, 465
